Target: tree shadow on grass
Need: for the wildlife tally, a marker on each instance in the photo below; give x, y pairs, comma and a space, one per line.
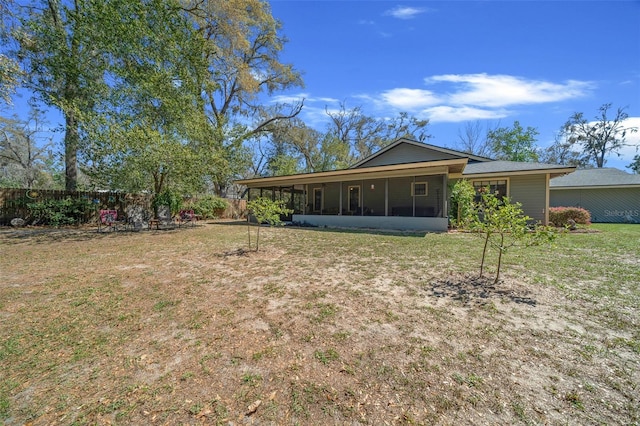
311, 228
474, 290
51, 234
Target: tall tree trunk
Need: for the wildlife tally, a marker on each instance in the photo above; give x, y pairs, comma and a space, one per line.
71, 144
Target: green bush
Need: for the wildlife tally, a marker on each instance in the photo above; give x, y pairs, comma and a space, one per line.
560, 216
67, 211
167, 198
208, 207
462, 210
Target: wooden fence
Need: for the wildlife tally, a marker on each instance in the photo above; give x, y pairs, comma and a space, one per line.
13, 203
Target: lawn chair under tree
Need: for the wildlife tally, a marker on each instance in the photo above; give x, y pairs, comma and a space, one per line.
164, 218
137, 218
186, 217
109, 221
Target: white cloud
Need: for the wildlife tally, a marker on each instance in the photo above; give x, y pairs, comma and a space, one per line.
504, 90
405, 12
632, 139
451, 114
328, 100
409, 99
462, 97
298, 97
632, 123
288, 99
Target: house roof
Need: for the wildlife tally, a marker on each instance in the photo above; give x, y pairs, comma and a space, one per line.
513, 167
377, 172
414, 162
401, 141
599, 178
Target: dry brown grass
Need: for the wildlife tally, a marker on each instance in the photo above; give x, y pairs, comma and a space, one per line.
319, 327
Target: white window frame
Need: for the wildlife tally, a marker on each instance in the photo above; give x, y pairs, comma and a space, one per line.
503, 179
413, 189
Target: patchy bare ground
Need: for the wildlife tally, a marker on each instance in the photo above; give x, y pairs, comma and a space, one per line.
319, 327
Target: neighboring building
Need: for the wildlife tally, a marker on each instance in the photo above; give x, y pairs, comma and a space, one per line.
405, 186
609, 194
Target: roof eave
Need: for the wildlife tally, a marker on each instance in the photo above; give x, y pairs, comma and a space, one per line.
397, 170
555, 172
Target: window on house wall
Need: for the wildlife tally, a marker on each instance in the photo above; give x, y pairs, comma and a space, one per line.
419, 189
317, 199
498, 187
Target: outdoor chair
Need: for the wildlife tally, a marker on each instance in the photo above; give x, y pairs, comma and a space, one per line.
137, 218
164, 218
109, 221
186, 217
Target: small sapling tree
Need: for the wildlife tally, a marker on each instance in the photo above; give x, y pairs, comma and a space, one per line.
265, 211
503, 225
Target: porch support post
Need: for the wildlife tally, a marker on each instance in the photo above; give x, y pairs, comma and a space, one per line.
546, 199
361, 198
386, 197
340, 203
292, 205
413, 196
306, 199
445, 195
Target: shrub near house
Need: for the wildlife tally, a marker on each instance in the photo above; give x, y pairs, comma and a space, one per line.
208, 207
560, 216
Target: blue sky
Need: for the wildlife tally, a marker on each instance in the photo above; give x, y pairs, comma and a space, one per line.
454, 62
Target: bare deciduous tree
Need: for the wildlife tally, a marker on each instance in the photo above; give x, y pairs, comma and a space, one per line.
600, 138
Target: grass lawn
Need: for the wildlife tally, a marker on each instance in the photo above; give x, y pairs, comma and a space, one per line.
319, 327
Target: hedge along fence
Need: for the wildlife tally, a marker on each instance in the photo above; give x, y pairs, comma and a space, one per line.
560, 216
84, 205
14, 203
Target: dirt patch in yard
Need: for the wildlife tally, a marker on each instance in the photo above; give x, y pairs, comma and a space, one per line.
319, 327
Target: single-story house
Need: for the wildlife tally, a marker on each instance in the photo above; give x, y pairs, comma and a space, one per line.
610, 195
405, 186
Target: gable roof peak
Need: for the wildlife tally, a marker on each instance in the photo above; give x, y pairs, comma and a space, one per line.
419, 144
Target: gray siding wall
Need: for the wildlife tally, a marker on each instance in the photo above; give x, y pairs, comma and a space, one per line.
607, 205
406, 153
530, 191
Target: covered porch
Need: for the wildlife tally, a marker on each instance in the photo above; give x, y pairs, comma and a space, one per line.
403, 197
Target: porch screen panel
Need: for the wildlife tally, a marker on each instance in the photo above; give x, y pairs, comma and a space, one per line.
253, 193
331, 198
298, 201
400, 198
428, 195
373, 197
